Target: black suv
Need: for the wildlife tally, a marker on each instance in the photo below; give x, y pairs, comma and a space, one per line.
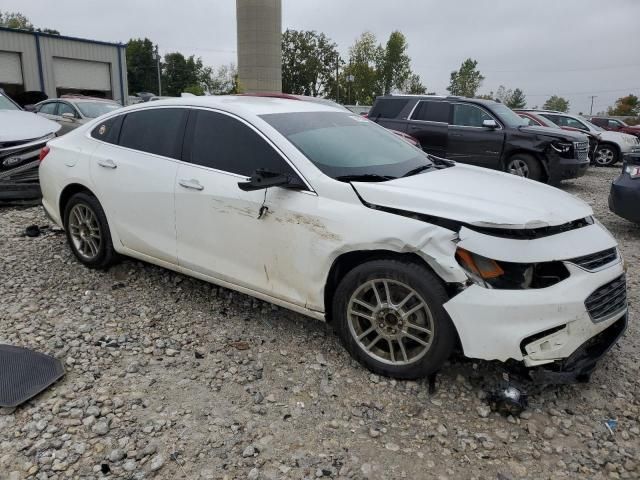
485, 133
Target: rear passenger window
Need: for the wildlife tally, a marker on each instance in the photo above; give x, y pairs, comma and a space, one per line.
158, 130
430, 111
224, 143
108, 130
465, 115
387, 108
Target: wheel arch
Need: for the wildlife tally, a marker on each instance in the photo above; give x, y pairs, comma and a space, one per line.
68, 192
349, 260
539, 156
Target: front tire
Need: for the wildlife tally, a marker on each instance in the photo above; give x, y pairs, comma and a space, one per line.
606, 155
524, 165
87, 231
390, 317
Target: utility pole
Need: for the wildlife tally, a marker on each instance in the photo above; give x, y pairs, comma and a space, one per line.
337, 79
156, 56
591, 109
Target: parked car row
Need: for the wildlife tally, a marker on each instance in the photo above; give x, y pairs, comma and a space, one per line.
485, 133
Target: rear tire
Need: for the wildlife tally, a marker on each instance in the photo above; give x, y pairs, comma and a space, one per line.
87, 231
524, 165
400, 329
606, 155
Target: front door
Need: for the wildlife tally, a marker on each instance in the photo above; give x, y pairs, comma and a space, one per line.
471, 142
256, 239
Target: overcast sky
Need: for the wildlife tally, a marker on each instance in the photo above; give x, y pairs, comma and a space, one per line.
574, 48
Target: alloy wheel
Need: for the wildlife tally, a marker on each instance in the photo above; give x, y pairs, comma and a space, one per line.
85, 231
390, 322
518, 167
604, 156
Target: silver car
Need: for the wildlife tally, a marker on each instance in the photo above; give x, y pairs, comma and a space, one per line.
71, 112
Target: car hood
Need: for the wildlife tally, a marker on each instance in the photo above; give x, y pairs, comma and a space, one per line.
477, 196
614, 136
554, 132
16, 125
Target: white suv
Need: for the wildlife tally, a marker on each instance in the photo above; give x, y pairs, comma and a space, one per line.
611, 146
324, 212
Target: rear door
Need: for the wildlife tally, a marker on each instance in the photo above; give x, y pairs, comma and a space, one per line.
388, 112
469, 141
428, 123
135, 175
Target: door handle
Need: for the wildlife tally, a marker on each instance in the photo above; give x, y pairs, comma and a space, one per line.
107, 163
191, 184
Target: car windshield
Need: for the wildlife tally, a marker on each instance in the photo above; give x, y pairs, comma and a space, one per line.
95, 109
6, 104
508, 116
591, 125
349, 147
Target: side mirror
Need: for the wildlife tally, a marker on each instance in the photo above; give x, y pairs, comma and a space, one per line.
68, 116
490, 124
262, 179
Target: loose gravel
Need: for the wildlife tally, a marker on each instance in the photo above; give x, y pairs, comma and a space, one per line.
170, 377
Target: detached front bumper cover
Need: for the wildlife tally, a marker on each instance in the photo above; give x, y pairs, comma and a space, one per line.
578, 367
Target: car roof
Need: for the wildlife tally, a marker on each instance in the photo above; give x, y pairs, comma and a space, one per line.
240, 105
439, 97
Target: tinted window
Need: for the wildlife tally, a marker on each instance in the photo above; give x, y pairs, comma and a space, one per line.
432, 112
224, 143
567, 122
159, 131
48, 108
65, 108
469, 115
387, 108
108, 130
530, 122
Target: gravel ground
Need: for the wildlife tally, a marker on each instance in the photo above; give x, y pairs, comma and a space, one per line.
170, 377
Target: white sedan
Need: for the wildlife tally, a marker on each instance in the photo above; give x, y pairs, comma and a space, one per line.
324, 212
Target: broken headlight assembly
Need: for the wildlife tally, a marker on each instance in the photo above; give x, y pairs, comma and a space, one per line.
563, 148
490, 273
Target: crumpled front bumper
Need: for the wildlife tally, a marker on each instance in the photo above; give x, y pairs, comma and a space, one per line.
535, 326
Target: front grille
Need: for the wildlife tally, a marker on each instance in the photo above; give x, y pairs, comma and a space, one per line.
582, 150
20, 163
596, 260
607, 300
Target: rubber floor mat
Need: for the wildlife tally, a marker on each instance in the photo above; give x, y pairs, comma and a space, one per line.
25, 373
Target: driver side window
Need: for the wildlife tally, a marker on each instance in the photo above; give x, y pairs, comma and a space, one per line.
224, 143
469, 115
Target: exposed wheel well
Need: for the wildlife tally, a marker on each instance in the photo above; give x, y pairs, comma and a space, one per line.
347, 261
69, 191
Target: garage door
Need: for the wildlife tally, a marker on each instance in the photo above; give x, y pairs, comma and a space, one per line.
81, 74
10, 68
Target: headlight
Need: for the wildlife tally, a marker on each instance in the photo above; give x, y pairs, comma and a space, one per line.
562, 147
490, 273
633, 171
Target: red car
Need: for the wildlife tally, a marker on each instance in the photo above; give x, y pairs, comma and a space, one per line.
534, 119
325, 101
616, 125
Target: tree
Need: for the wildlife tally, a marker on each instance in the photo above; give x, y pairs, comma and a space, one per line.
221, 81
466, 81
516, 99
180, 74
557, 103
308, 62
396, 69
19, 21
142, 69
626, 106
413, 86
366, 64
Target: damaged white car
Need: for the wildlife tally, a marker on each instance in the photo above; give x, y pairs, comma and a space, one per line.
328, 214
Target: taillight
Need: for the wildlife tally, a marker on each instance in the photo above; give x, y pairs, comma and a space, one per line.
43, 153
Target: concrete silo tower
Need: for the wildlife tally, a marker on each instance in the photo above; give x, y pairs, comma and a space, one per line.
259, 45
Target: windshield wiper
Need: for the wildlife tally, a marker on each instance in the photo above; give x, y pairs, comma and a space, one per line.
365, 177
419, 169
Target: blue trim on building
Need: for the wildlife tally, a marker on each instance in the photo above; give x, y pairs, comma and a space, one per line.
124, 104
62, 37
39, 55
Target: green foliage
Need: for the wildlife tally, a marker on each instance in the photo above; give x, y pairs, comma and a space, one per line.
556, 103
516, 100
142, 73
414, 86
396, 69
466, 81
19, 21
180, 73
308, 62
221, 81
366, 65
626, 106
